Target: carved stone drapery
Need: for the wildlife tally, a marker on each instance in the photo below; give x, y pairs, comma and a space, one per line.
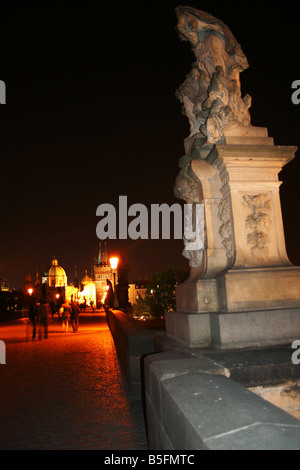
211, 92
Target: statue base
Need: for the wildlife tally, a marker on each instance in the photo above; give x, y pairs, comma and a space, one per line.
239, 308
242, 291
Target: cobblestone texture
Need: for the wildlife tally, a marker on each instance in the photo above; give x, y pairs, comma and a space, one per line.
67, 391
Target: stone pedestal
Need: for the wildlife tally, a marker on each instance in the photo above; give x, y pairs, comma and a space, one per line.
244, 291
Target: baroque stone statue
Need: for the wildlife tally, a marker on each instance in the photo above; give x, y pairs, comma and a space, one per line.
211, 93
242, 290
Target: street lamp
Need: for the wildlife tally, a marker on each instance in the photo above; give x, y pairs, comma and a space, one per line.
30, 291
114, 264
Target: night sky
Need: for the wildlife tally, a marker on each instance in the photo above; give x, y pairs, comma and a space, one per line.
91, 114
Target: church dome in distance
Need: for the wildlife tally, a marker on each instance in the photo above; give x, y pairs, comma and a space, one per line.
55, 269
56, 275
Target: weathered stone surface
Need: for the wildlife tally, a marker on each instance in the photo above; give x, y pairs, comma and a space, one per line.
242, 290
211, 93
241, 284
284, 395
243, 266
189, 407
132, 341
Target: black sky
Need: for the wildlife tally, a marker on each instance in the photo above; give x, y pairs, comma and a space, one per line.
91, 114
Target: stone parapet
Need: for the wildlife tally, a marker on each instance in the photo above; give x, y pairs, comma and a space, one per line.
192, 404
132, 342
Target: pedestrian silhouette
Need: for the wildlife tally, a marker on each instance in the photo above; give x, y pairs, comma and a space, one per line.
74, 315
43, 312
32, 315
53, 309
66, 315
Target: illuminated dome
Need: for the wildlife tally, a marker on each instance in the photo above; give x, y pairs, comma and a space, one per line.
56, 275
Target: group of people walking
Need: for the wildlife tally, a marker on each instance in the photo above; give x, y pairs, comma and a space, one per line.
70, 314
40, 313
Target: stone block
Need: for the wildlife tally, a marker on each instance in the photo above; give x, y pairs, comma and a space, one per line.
157, 437
255, 328
197, 296
236, 140
260, 436
240, 308
191, 328
258, 289
200, 410
257, 366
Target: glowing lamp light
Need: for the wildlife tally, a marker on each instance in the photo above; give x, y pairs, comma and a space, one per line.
30, 291
114, 263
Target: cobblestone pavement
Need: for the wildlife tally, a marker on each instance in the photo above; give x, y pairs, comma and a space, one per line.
66, 392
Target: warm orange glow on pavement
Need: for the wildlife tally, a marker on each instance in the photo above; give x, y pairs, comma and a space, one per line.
65, 392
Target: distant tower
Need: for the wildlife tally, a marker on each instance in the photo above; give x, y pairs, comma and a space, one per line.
76, 282
102, 255
4, 285
105, 257
37, 278
102, 272
99, 255
28, 284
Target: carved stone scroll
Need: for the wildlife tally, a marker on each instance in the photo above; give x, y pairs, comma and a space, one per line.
224, 214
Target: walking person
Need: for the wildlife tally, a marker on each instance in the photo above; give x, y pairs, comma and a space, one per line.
75, 315
53, 309
66, 315
43, 312
32, 315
